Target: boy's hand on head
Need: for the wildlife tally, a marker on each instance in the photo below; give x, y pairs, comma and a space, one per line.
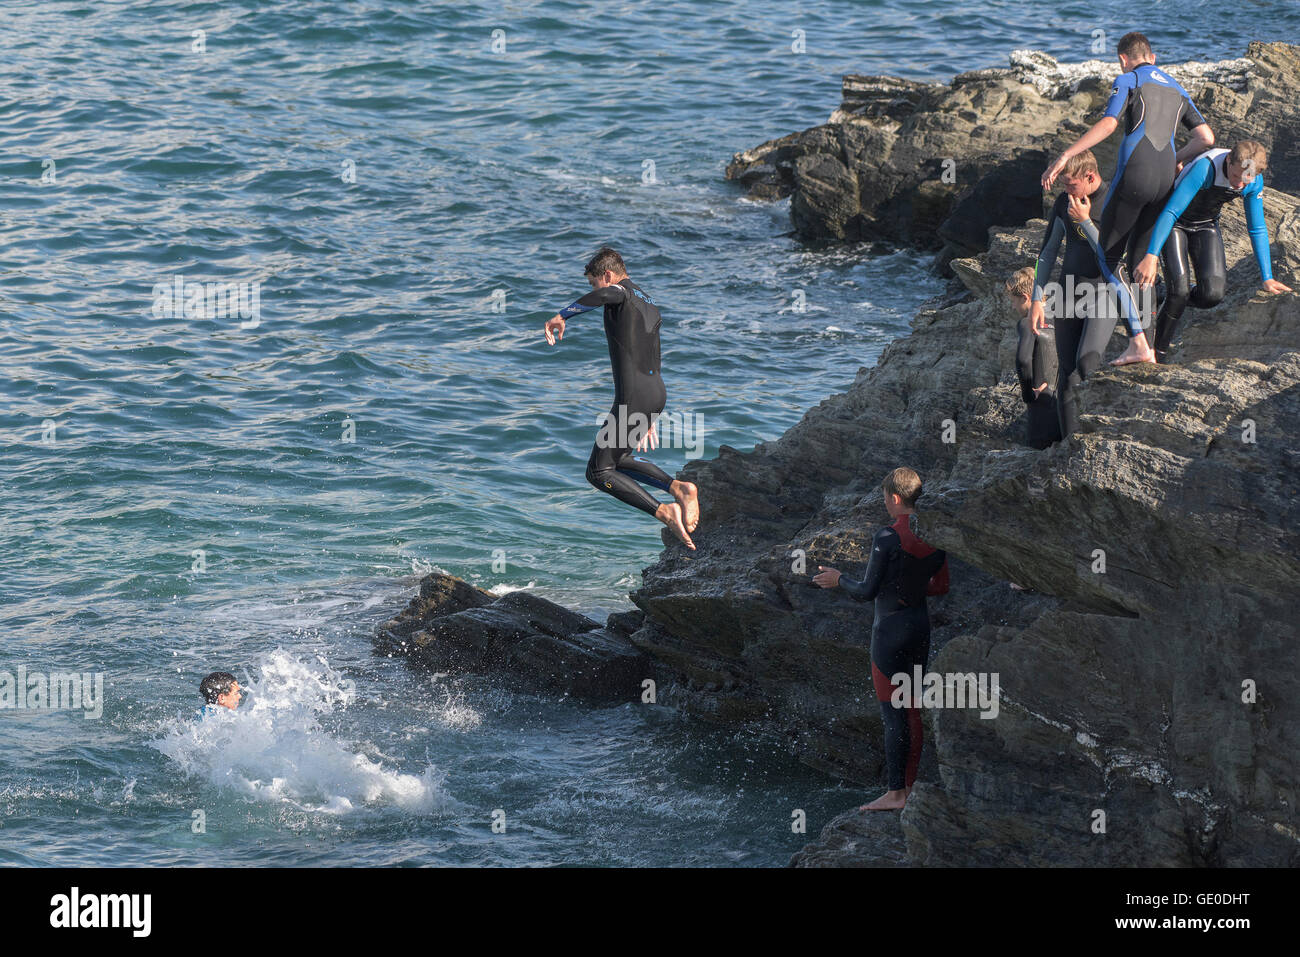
826, 577
554, 329
1145, 273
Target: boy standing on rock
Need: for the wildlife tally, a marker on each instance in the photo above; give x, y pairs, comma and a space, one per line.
1082, 329
1151, 105
1035, 365
1189, 224
632, 331
901, 572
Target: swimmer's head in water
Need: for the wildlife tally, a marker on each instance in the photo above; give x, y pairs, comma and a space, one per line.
220, 688
605, 268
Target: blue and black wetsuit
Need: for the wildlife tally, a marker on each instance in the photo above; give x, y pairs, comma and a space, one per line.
1081, 336
1189, 226
632, 330
1149, 105
901, 572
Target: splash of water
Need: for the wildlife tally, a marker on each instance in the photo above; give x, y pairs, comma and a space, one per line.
274, 749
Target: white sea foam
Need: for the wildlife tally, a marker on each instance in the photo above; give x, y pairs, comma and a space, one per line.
273, 748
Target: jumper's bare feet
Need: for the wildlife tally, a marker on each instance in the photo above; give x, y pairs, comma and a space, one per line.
688, 497
889, 801
1137, 351
670, 513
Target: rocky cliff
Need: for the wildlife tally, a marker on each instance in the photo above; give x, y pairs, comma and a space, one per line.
1149, 700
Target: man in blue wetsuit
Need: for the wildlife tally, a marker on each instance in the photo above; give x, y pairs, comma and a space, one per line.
632, 331
1189, 227
1151, 105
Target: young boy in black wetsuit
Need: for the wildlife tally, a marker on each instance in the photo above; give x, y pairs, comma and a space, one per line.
632, 331
1035, 365
1150, 105
1080, 320
902, 571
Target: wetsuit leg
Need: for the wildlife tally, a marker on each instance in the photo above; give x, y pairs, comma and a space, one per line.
1132, 208
1068, 333
1178, 289
614, 467
920, 656
1205, 246
897, 642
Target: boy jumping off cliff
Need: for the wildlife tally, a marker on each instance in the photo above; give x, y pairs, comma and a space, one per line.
632, 331
1151, 105
901, 572
1189, 225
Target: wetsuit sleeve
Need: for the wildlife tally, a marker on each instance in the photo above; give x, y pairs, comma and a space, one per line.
1047, 255
1025, 361
1189, 185
1191, 115
1253, 198
1119, 95
605, 296
882, 547
939, 582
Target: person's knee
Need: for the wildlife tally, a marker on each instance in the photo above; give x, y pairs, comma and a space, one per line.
1210, 291
598, 476
1089, 362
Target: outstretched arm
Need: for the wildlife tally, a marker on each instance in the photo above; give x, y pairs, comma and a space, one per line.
1202, 138
1100, 130
604, 296
1192, 180
869, 586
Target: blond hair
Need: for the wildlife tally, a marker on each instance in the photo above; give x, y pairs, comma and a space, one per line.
1021, 282
904, 483
1080, 164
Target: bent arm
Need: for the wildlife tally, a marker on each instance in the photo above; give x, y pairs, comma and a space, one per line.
869, 586
1202, 138
939, 582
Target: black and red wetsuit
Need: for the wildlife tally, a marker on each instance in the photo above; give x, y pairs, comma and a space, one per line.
902, 571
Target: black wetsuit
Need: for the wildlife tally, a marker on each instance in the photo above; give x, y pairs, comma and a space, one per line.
901, 572
1149, 105
1081, 337
1188, 228
632, 330
1036, 365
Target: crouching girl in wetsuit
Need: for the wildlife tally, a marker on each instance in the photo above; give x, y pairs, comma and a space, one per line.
902, 571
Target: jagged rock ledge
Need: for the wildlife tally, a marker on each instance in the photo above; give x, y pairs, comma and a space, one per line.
1122, 691
933, 166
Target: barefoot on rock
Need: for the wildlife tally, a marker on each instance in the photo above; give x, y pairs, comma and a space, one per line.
688, 497
670, 513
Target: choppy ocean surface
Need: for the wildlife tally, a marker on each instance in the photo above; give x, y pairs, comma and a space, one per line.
413, 188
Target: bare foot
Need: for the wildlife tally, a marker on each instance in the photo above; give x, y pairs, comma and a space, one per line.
688, 497
1137, 351
670, 513
889, 801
